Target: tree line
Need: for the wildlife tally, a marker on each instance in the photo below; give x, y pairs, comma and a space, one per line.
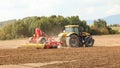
114, 25
51, 25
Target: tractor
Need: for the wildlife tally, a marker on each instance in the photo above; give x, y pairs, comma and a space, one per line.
73, 36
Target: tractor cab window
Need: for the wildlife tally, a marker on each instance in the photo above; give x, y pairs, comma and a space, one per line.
76, 30
67, 30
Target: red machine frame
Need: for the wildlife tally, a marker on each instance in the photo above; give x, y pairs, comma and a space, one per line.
51, 43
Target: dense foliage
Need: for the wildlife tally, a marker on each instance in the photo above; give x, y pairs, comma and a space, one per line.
52, 25
100, 27
3, 23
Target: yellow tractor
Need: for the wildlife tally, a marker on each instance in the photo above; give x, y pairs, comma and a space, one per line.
73, 36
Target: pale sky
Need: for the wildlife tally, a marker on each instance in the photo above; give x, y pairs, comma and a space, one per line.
85, 9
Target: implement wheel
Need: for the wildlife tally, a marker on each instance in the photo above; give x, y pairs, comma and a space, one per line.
30, 39
42, 40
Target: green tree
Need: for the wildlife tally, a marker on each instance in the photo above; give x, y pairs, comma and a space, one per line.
73, 20
100, 27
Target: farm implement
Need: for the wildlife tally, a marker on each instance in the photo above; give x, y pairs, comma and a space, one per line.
42, 40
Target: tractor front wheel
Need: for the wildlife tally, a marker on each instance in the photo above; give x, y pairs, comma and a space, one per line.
89, 42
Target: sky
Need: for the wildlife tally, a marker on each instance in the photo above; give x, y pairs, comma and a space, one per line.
85, 9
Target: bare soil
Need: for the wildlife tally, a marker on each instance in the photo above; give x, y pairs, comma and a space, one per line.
104, 54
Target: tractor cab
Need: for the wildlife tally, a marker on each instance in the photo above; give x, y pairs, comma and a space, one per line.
72, 28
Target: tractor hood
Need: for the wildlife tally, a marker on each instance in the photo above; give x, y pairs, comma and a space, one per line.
62, 34
65, 34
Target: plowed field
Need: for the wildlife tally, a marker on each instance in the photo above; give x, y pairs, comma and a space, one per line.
104, 54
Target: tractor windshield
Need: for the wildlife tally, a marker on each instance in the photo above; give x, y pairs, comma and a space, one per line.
67, 30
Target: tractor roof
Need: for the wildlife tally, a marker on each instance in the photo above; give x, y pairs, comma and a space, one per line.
72, 26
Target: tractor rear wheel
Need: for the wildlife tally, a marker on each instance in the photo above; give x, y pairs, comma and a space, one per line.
72, 41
